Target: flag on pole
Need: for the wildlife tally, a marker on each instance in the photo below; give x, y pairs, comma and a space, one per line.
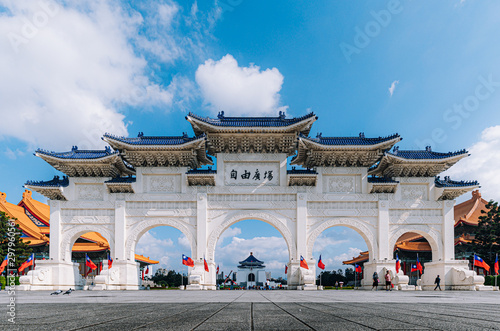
419, 266
89, 263
147, 270
142, 274
303, 263
4, 263
478, 262
495, 266
217, 269
286, 269
398, 264
186, 260
110, 261
205, 264
321, 265
414, 268
358, 268
27, 263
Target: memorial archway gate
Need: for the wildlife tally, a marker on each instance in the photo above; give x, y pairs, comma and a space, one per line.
143, 182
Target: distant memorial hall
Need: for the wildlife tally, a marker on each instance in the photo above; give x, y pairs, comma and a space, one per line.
140, 183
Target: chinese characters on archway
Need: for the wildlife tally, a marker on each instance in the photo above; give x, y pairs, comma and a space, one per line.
256, 175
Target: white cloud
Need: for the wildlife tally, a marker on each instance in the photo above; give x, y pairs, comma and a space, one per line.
67, 69
239, 90
483, 164
231, 232
393, 87
352, 253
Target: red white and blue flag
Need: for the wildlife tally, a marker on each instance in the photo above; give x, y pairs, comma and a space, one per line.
206, 265
217, 269
414, 268
478, 262
4, 263
496, 266
419, 266
286, 269
321, 265
27, 263
358, 268
398, 264
89, 263
186, 260
303, 263
110, 261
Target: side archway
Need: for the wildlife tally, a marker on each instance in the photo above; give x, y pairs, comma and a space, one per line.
357, 225
71, 235
268, 218
431, 235
142, 227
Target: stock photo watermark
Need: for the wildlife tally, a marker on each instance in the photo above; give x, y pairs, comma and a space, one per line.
10, 280
32, 25
459, 112
229, 5
372, 29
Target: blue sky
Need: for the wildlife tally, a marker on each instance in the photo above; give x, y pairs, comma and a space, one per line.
73, 70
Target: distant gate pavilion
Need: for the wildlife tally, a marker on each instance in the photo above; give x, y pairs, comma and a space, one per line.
252, 272
136, 184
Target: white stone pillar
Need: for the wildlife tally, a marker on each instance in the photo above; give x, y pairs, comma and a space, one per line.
301, 229
55, 231
384, 251
201, 226
118, 252
447, 232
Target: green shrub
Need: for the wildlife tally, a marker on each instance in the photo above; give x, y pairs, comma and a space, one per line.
490, 280
3, 281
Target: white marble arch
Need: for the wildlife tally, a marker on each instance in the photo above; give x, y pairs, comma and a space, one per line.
424, 230
362, 228
70, 235
139, 229
273, 219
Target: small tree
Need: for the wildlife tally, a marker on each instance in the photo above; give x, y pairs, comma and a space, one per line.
11, 242
487, 239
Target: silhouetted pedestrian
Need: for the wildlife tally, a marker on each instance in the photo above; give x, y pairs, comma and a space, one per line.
437, 281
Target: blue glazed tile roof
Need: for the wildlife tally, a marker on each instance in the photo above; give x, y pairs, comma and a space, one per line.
201, 171
447, 182
424, 154
301, 171
117, 180
224, 121
154, 140
352, 141
55, 182
252, 261
373, 179
76, 154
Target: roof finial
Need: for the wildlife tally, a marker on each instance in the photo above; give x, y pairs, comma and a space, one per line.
282, 114
3, 197
251, 253
220, 114
362, 135
107, 149
74, 148
184, 135
140, 134
319, 135
428, 149
395, 150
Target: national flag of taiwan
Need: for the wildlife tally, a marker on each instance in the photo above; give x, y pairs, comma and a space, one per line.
186, 260
419, 267
147, 271
27, 263
89, 263
414, 268
4, 264
110, 261
398, 264
286, 269
495, 266
321, 265
303, 263
358, 268
478, 262
205, 264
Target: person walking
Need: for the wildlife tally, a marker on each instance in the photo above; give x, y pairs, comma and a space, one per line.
437, 281
375, 281
388, 281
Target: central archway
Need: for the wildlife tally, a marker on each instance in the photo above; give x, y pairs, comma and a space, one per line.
277, 222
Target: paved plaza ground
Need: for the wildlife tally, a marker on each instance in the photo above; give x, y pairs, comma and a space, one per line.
254, 310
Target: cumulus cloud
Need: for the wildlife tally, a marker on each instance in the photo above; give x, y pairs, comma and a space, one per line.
239, 90
393, 87
67, 70
483, 164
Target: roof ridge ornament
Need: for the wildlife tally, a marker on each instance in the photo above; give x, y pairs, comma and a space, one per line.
74, 148
282, 115
140, 134
220, 115
362, 135
395, 150
428, 149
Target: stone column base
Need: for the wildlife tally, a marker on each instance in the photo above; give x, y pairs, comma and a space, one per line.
49, 275
454, 274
